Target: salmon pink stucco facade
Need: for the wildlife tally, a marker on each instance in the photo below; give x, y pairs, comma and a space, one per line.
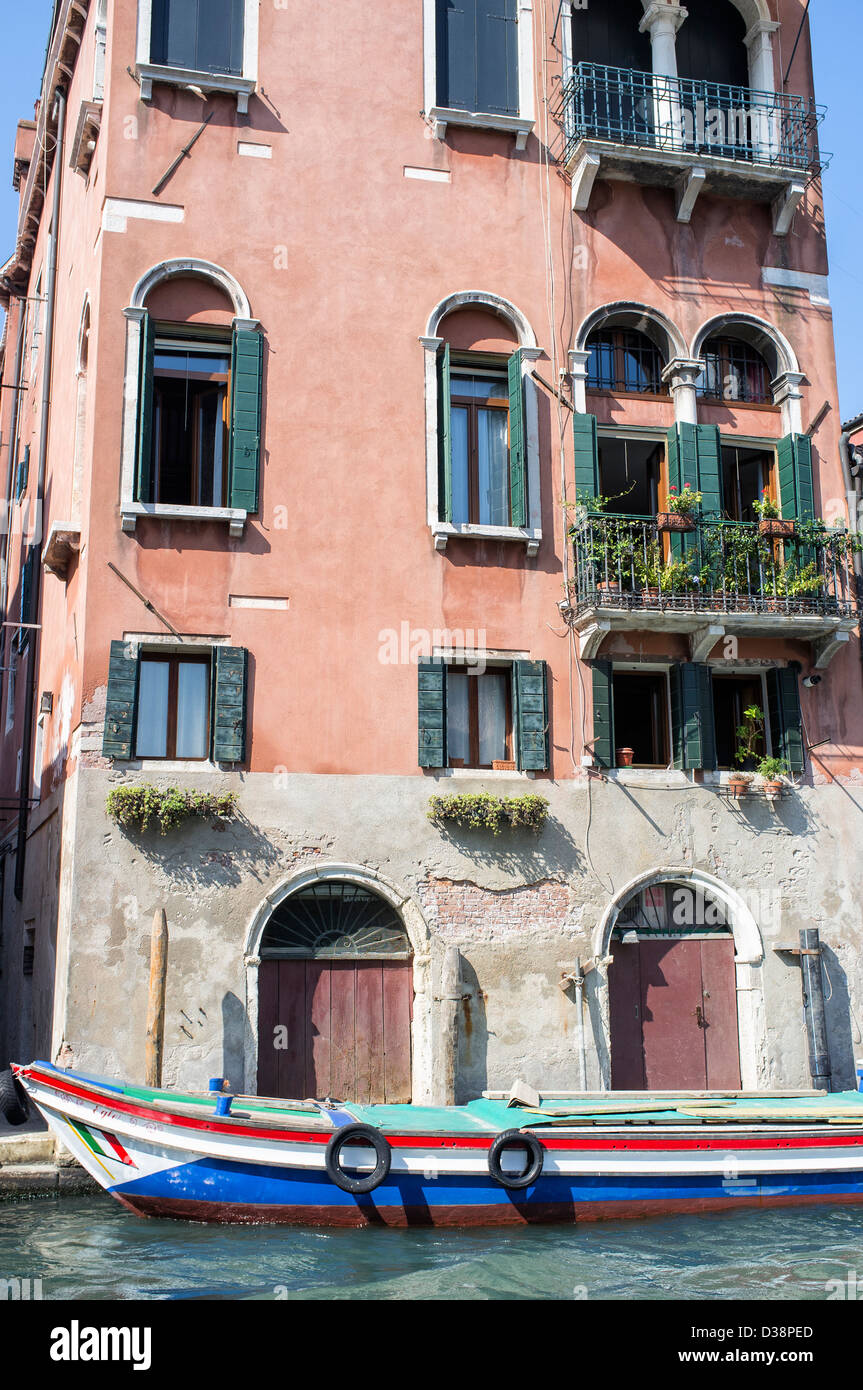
406, 406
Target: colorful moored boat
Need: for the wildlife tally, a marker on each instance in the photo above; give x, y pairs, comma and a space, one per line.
491, 1162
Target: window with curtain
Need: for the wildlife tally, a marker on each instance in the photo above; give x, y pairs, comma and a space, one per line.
734, 371
173, 707
480, 448
190, 423
479, 718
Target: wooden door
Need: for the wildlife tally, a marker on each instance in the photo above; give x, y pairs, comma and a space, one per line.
673, 1015
339, 1028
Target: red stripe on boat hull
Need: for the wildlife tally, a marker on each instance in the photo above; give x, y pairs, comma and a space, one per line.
505, 1214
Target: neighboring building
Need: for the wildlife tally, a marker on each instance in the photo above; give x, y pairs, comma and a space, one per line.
349, 314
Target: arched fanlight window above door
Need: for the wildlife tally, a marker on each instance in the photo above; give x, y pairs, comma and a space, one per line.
335, 920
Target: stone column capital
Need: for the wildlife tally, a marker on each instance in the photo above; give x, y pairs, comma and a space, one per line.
662, 18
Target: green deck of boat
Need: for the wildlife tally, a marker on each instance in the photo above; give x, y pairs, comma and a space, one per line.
492, 1116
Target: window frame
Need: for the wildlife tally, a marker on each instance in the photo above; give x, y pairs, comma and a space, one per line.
473, 675
724, 358
242, 86
441, 116
174, 660
473, 405
619, 349
757, 677
205, 346
662, 732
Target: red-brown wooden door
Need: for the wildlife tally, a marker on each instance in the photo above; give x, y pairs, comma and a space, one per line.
346, 1025
673, 1016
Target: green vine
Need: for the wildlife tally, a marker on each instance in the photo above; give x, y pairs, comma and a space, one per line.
145, 807
481, 811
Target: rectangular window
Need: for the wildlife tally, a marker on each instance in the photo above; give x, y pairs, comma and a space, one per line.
641, 717
477, 56
630, 472
190, 424
479, 717
480, 449
173, 707
198, 35
746, 476
731, 696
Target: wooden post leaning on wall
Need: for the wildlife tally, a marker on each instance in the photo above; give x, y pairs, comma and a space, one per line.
450, 1002
156, 999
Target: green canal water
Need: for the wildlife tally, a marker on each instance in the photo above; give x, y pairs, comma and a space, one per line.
89, 1248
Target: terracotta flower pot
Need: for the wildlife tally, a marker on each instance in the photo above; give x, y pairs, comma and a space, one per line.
609, 586
775, 528
738, 787
773, 789
624, 756
502, 765
675, 521
651, 593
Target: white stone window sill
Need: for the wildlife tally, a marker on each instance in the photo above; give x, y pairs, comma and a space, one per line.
173, 765
648, 777
163, 511
442, 116
444, 531
241, 87
483, 774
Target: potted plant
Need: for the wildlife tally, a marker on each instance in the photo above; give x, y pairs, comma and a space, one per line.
502, 765
769, 521
648, 570
624, 756
773, 770
747, 753
680, 509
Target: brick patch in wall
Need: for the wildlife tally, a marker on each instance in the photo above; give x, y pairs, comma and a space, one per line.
458, 907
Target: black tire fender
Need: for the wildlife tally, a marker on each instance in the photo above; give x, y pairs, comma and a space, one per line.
363, 1135
516, 1139
14, 1102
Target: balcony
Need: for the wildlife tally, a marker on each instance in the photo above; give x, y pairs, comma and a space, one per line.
721, 578
688, 135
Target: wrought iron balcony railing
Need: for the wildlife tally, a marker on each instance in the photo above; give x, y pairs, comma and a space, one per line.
629, 563
683, 116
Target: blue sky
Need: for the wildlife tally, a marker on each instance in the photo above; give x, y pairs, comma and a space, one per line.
837, 38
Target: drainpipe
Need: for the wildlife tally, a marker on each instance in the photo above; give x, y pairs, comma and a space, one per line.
813, 1008
47, 374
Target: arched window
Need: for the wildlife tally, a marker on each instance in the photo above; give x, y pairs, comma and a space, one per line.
710, 44
734, 370
192, 432
482, 447
333, 920
624, 359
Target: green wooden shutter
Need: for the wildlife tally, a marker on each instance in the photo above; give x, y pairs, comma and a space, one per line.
603, 714
432, 714
122, 701
796, 487
709, 449
695, 457
444, 433
247, 357
517, 442
786, 720
530, 715
693, 732
230, 682
144, 465
586, 457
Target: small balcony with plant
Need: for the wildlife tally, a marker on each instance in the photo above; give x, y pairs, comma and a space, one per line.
684, 573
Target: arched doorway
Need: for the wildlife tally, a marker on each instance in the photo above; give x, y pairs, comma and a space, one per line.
335, 997
672, 985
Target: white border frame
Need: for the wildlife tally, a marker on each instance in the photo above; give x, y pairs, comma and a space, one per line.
443, 531
442, 116
242, 87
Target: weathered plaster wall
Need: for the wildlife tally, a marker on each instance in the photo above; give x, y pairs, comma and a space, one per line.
519, 908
